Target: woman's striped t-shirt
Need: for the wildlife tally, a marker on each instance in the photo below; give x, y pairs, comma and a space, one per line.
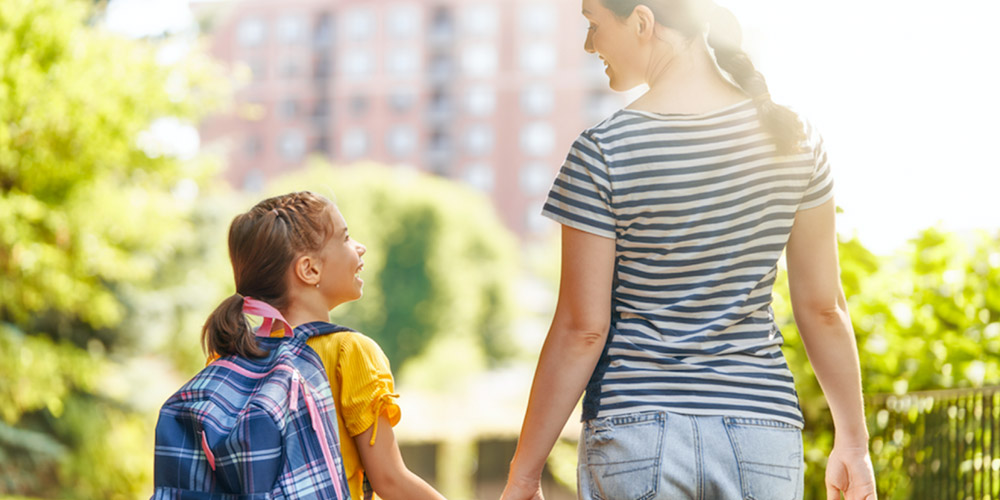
700, 207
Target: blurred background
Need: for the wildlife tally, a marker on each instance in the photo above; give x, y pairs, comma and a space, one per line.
132, 131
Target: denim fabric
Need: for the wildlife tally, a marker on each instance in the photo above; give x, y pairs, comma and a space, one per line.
660, 455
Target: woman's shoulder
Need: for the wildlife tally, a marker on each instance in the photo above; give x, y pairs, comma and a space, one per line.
610, 123
598, 135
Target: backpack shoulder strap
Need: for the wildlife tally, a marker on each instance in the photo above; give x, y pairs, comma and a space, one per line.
316, 328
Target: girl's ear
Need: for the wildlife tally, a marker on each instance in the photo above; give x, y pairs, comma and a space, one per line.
308, 269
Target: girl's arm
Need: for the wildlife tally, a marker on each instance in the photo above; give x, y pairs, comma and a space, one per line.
569, 355
385, 469
820, 310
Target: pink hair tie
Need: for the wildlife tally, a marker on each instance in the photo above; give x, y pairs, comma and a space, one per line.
256, 307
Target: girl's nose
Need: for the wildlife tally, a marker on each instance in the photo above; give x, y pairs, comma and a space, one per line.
588, 44
361, 249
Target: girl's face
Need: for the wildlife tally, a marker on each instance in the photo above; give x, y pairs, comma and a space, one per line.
341, 259
615, 41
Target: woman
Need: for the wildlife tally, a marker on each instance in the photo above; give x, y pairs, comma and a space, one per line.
675, 212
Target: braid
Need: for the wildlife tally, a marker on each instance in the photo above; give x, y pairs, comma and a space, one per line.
300, 214
263, 243
725, 38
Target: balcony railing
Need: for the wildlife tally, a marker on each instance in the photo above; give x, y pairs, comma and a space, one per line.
937, 445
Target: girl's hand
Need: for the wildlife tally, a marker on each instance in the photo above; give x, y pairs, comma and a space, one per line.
522, 490
849, 471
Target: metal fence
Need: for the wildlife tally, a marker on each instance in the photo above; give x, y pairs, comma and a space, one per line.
937, 445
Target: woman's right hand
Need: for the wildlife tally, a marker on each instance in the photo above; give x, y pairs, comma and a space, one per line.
849, 471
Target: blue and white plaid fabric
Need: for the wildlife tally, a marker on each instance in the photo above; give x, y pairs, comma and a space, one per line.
242, 428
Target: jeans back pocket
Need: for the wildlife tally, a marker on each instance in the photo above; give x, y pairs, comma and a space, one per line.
623, 455
769, 455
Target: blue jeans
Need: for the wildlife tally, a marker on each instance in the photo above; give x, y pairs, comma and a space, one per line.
660, 455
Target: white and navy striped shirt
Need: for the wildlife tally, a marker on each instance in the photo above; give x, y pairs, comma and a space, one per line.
700, 207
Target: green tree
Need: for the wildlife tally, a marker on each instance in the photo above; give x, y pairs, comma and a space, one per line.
927, 317
439, 266
91, 210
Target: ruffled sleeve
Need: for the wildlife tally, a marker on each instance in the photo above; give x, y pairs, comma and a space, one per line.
367, 389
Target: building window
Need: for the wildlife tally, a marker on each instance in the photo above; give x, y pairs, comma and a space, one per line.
354, 143
538, 58
602, 104
538, 18
537, 99
257, 68
404, 21
537, 139
402, 99
321, 145
251, 146
439, 148
441, 66
321, 109
479, 60
480, 176
292, 145
359, 105
442, 27
321, 66
535, 178
480, 100
535, 223
253, 181
357, 63
251, 32
480, 20
359, 24
289, 68
323, 29
402, 61
479, 140
291, 28
289, 108
440, 105
401, 140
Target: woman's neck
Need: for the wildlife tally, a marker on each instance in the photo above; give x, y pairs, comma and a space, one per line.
686, 82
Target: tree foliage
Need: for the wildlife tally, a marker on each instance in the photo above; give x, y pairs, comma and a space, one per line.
90, 213
439, 264
927, 317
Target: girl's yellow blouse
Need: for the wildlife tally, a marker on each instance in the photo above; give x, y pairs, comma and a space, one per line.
362, 387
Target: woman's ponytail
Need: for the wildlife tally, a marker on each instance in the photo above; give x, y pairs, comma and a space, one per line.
227, 331
726, 39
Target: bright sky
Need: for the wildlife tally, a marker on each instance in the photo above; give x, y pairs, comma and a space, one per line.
905, 95
902, 90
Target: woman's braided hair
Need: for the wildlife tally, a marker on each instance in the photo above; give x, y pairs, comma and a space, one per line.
690, 17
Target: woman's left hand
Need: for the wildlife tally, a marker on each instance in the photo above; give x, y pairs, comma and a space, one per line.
522, 490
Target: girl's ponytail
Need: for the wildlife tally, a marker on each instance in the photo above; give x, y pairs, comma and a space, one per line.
726, 39
263, 243
227, 331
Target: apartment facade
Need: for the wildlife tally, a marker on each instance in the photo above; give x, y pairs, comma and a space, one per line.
487, 92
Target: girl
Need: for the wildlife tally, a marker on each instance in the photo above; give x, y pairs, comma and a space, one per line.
675, 212
293, 252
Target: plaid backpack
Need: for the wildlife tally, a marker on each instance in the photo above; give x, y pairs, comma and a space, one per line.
253, 428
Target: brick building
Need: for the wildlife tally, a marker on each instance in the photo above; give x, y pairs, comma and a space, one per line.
487, 92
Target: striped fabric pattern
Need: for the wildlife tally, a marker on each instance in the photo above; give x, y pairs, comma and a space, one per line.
253, 428
701, 207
